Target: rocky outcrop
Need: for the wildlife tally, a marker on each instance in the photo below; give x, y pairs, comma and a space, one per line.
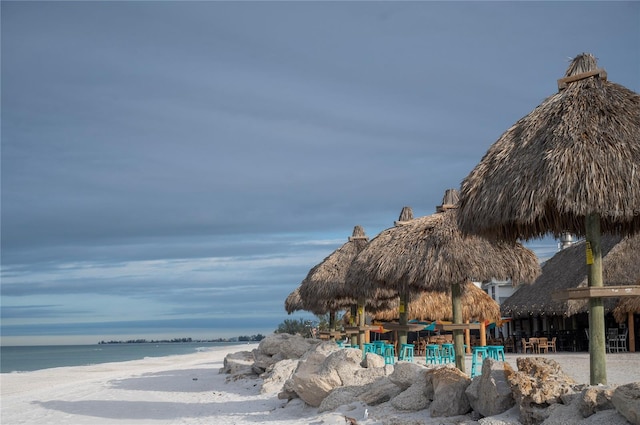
445, 387
277, 347
238, 365
276, 375
626, 400
490, 393
595, 399
538, 384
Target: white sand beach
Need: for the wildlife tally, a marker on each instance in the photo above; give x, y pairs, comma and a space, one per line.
187, 389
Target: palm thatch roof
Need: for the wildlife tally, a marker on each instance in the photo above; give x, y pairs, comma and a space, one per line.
293, 302
625, 306
476, 305
576, 154
430, 254
567, 269
325, 287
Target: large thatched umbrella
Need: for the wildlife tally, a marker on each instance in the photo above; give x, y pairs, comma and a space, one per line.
431, 254
567, 270
571, 165
436, 305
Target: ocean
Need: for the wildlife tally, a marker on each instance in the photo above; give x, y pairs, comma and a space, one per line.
28, 358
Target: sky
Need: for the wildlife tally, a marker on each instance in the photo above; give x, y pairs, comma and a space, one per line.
174, 169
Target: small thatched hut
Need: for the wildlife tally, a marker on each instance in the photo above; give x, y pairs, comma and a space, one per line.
293, 302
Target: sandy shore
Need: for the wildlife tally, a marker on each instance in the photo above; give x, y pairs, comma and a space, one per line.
188, 389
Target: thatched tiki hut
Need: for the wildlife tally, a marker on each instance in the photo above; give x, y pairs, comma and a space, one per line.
431, 254
324, 284
571, 165
567, 270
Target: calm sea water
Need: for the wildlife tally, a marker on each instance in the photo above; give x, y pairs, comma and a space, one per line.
27, 358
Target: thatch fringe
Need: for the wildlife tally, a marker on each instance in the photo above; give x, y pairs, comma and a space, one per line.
476, 305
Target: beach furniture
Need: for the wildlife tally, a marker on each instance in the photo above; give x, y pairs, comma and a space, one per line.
406, 352
526, 345
622, 340
496, 352
447, 353
543, 344
479, 354
433, 354
389, 353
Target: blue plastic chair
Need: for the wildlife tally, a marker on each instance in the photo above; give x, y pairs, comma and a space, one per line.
447, 353
389, 354
368, 348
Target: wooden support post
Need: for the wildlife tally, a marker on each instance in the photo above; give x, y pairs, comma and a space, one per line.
483, 334
458, 334
352, 322
597, 353
332, 324
402, 310
361, 323
467, 337
632, 332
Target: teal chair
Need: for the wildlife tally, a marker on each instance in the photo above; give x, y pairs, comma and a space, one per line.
447, 353
479, 354
496, 352
433, 354
389, 354
368, 348
406, 352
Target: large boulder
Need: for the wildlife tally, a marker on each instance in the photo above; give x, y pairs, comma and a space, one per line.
379, 392
413, 398
238, 364
626, 400
538, 384
490, 393
594, 399
406, 374
311, 382
372, 360
446, 386
278, 347
276, 375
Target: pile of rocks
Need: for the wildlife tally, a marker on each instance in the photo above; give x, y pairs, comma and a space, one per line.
327, 377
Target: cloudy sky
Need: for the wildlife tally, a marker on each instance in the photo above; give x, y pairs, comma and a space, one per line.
174, 169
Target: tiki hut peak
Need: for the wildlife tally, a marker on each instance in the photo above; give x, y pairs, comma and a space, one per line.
325, 283
450, 200
406, 215
476, 305
567, 270
549, 171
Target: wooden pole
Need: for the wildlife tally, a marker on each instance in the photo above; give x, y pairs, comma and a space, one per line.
402, 310
597, 353
483, 334
632, 332
332, 324
361, 324
352, 322
458, 334
467, 337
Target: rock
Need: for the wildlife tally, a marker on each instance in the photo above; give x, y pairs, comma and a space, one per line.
490, 393
311, 382
276, 375
609, 417
538, 383
379, 391
277, 347
238, 363
339, 397
626, 400
406, 374
448, 386
594, 399
510, 417
412, 399
372, 360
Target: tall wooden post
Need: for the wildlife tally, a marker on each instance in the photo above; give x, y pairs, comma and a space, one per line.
458, 335
632, 332
467, 337
483, 334
597, 353
402, 310
352, 322
332, 324
361, 324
